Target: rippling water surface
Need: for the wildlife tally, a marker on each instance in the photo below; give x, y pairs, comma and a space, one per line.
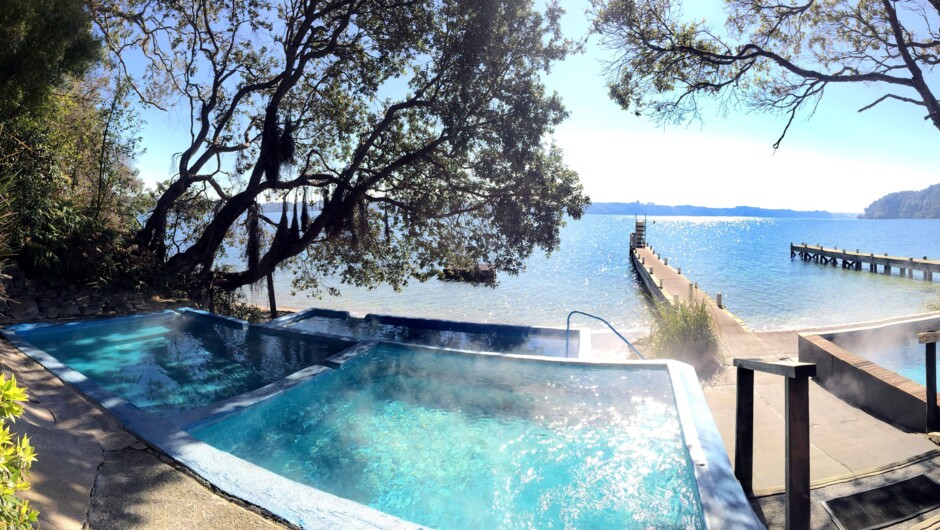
450, 442
746, 259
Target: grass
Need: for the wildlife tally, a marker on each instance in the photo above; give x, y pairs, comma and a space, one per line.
686, 332
933, 305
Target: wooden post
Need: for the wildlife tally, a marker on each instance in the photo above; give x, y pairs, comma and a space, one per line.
665, 261
691, 293
744, 431
887, 269
797, 376
931, 362
718, 301
797, 457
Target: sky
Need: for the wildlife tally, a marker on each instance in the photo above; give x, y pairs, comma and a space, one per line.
838, 160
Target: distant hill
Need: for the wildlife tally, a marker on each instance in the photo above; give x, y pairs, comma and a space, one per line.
923, 204
638, 208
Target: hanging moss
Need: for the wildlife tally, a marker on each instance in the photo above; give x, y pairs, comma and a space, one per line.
253, 247
304, 215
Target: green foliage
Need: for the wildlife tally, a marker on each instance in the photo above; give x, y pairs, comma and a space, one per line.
686, 332
44, 42
76, 197
6, 228
923, 204
233, 304
417, 134
16, 459
776, 57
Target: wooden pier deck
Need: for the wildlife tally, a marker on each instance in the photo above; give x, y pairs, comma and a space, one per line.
844, 440
856, 260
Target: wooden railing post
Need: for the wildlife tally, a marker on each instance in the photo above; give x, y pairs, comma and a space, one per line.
744, 431
930, 361
797, 457
932, 423
797, 432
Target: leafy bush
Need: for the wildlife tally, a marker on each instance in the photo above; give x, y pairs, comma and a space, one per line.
686, 332
16, 458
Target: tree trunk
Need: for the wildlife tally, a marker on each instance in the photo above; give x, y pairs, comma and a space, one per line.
272, 303
152, 236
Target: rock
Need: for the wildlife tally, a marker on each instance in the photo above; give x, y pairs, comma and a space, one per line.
70, 310
91, 311
22, 310
480, 273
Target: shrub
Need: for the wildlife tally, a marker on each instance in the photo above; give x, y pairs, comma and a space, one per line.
686, 332
933, 305
16, 458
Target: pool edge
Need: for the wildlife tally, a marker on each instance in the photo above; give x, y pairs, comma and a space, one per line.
723, 501
231, 475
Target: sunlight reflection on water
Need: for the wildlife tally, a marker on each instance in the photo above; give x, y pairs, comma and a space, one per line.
746, 259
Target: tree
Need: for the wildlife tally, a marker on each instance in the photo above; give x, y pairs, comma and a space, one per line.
397, 135
776, 57
44, 42
76, 196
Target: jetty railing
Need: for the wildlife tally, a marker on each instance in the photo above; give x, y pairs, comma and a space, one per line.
624, 339
797, 376
929, 339
854, 260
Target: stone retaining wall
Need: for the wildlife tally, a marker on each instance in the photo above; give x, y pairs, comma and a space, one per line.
31, 301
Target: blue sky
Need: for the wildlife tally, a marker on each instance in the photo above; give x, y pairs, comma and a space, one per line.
839, 160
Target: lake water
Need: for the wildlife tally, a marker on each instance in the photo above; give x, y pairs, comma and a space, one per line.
746, 259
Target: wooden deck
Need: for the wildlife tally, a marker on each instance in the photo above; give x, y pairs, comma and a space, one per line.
856, 260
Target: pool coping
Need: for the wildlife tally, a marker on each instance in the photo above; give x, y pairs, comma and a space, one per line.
723, 501
288, 321
887, 395
229, 474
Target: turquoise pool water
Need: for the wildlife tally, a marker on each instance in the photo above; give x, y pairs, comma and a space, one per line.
167, 363
459, 441
902, 355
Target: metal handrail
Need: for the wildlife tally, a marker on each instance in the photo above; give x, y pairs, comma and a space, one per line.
568, 331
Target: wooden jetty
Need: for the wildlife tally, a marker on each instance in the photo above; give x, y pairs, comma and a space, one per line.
855, 260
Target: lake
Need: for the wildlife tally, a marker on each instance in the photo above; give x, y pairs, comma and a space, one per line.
746, 259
